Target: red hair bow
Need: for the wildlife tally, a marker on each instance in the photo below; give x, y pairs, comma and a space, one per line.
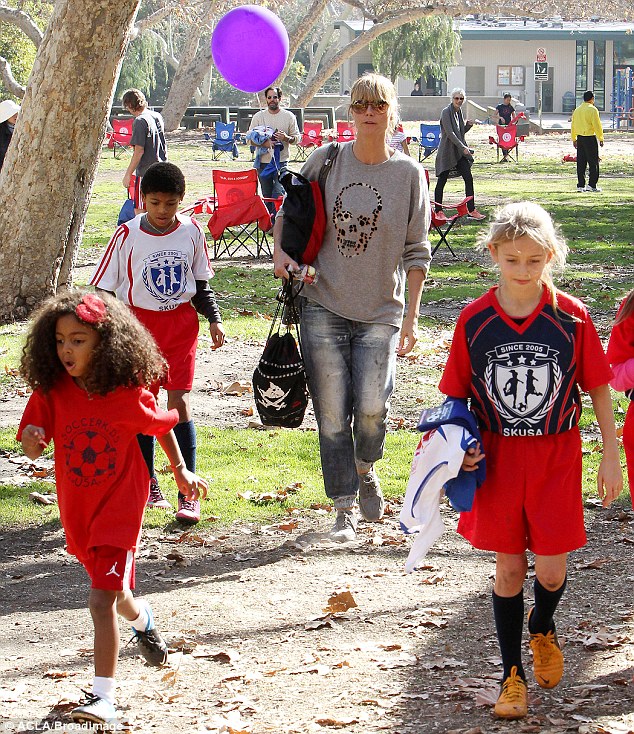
91, 309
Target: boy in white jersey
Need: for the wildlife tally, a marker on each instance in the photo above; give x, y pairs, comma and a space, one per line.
158, 264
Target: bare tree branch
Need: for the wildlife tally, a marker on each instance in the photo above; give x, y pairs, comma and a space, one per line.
9, 81
151, 20
22, 21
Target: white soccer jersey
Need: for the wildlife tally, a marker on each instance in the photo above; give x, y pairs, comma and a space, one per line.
152, 271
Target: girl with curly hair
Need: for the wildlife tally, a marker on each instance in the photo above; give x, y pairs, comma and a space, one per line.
88, 361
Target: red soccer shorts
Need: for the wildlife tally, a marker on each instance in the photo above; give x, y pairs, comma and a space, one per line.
176, 334
531, 498
628, 445
110, 568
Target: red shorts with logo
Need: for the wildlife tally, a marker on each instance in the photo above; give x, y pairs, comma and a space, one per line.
176, 334
110, 568
531, 497
628, 445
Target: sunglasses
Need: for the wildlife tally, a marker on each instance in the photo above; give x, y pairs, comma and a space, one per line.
459, 98
269, 99
361, 105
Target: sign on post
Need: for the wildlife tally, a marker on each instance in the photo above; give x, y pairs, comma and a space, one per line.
541, 71
541, 54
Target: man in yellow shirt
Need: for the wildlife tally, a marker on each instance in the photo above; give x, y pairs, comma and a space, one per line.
587, 135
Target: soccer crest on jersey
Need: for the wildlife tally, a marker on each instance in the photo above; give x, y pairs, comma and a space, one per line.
165, 275
524, 383
523, 380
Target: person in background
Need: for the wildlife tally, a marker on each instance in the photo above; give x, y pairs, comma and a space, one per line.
8, 117
398, 141
148, 140
505, 110
354, 320
284, 132
453, 152
587, 136
416, 92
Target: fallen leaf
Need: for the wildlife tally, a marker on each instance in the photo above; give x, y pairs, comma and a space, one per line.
43, 499
597, 563
340, 602
336, 723
56, 674
320, 622
238, 388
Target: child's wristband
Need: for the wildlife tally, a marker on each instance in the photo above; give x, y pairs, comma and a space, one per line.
178, 466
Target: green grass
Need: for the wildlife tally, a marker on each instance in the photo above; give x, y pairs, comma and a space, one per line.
235, 462
241, 465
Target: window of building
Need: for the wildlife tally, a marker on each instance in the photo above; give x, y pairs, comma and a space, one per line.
598, 74
474, 80
581, 70
624, 52
510, 76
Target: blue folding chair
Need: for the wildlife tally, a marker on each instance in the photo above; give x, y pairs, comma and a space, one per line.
429, 140
224, 140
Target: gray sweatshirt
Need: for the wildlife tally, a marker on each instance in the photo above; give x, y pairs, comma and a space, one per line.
377, 220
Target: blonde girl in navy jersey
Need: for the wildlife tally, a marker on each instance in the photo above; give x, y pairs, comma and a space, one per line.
520, 353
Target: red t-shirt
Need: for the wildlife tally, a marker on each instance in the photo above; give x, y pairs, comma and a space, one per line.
522, 377
101, 477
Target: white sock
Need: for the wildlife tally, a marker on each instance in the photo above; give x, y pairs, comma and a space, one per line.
104, 688
143, 620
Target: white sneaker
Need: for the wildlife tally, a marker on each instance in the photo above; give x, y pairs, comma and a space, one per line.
581, 189
94, 710
592, 189
345, 527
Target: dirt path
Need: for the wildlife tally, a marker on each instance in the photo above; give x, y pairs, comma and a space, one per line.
255, 652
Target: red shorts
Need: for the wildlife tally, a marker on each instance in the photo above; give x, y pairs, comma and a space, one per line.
531, 497
628, 445
176, 334
134, 192
110, 568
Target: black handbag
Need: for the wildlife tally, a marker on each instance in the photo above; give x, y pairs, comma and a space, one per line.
279, 381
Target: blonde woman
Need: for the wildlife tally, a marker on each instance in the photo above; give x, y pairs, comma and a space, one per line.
354, 318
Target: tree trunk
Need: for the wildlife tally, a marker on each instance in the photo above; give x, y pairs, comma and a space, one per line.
48, 173
183, 87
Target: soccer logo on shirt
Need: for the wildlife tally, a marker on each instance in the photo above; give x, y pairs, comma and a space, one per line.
165, 275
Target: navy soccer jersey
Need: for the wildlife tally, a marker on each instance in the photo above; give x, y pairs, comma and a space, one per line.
523, 377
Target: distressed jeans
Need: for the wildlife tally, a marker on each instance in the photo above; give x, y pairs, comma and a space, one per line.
350, 367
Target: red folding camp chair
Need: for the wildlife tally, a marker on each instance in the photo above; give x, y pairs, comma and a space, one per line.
507, 140
240, 219
345, 132
119, 137
442, 221
311, 138
443, 224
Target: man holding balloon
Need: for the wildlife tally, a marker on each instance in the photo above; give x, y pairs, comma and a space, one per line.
281, 126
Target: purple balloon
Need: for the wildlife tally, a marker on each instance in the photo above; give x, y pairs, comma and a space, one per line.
250, 47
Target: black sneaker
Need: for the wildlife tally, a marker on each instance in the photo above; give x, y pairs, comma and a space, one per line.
150, 643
